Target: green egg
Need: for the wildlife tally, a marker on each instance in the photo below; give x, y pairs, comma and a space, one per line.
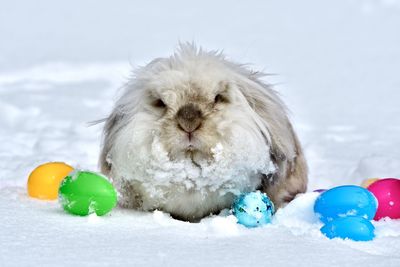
84, 192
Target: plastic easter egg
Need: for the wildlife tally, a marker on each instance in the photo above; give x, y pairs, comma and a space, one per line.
85, 192
319, 190
347, 200
352, 227
44, 180
368, 182
387, 192
253, 209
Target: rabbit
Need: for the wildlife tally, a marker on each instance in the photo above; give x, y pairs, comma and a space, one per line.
192, 131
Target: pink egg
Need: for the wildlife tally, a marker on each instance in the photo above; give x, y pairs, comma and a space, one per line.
387, 192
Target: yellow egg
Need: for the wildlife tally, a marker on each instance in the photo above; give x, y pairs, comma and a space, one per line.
368, 182
44, 181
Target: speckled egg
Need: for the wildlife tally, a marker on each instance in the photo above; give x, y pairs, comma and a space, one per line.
253, 209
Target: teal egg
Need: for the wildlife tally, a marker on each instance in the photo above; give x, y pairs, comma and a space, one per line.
253, 209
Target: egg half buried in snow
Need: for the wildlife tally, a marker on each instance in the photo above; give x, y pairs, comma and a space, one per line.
352, 227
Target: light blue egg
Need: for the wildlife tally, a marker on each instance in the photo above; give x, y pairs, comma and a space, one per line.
253, 209
347, 200
352, 227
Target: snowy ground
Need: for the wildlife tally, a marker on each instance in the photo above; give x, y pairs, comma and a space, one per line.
61, 66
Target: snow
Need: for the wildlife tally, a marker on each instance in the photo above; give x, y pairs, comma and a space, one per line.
62, 65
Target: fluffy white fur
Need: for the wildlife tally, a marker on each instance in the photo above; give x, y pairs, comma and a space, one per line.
192, 131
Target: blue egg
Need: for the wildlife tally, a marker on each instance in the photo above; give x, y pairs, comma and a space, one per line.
347, 200
253, 209
352, 227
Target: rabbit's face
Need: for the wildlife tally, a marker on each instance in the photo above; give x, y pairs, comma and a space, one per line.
187, 108
191, 116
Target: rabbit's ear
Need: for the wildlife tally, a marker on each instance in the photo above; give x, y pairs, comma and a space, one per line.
113, 124
271, 115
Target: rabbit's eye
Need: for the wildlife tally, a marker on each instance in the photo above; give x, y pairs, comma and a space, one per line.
219, 99
159, 103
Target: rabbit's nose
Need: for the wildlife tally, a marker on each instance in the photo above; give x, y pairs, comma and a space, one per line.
189, 118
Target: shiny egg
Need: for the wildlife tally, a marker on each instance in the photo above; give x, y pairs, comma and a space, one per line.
347, 200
